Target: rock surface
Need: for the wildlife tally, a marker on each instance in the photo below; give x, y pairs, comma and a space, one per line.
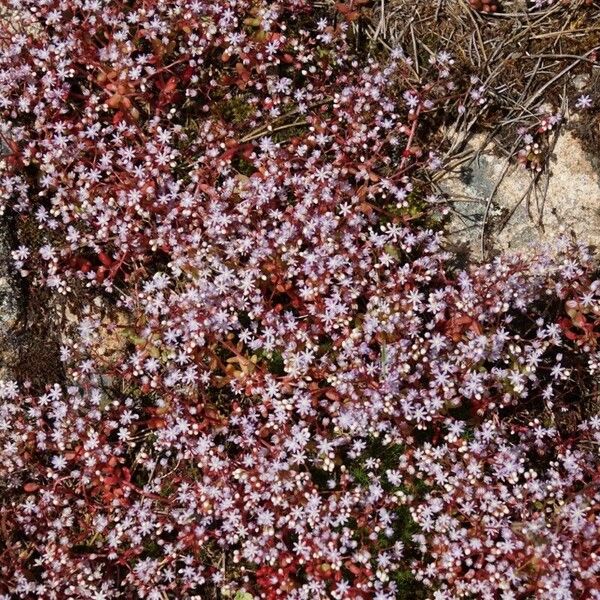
523, 209
10, 304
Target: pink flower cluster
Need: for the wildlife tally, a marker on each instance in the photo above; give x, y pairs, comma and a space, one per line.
534, 140
277, 384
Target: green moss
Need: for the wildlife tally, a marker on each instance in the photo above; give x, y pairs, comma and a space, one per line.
404, 525
289, 132
276, 365
236, 110
408, 587
389, 456
152, 550
360, 475
243, 166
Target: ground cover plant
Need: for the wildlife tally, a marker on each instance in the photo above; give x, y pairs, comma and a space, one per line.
273, 380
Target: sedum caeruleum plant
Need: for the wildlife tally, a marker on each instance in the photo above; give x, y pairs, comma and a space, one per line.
277, 382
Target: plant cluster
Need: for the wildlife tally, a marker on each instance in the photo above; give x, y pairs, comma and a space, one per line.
277, 384
485, 6
535, 145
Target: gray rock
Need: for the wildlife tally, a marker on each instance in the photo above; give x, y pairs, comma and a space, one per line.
523, 208
10, 303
